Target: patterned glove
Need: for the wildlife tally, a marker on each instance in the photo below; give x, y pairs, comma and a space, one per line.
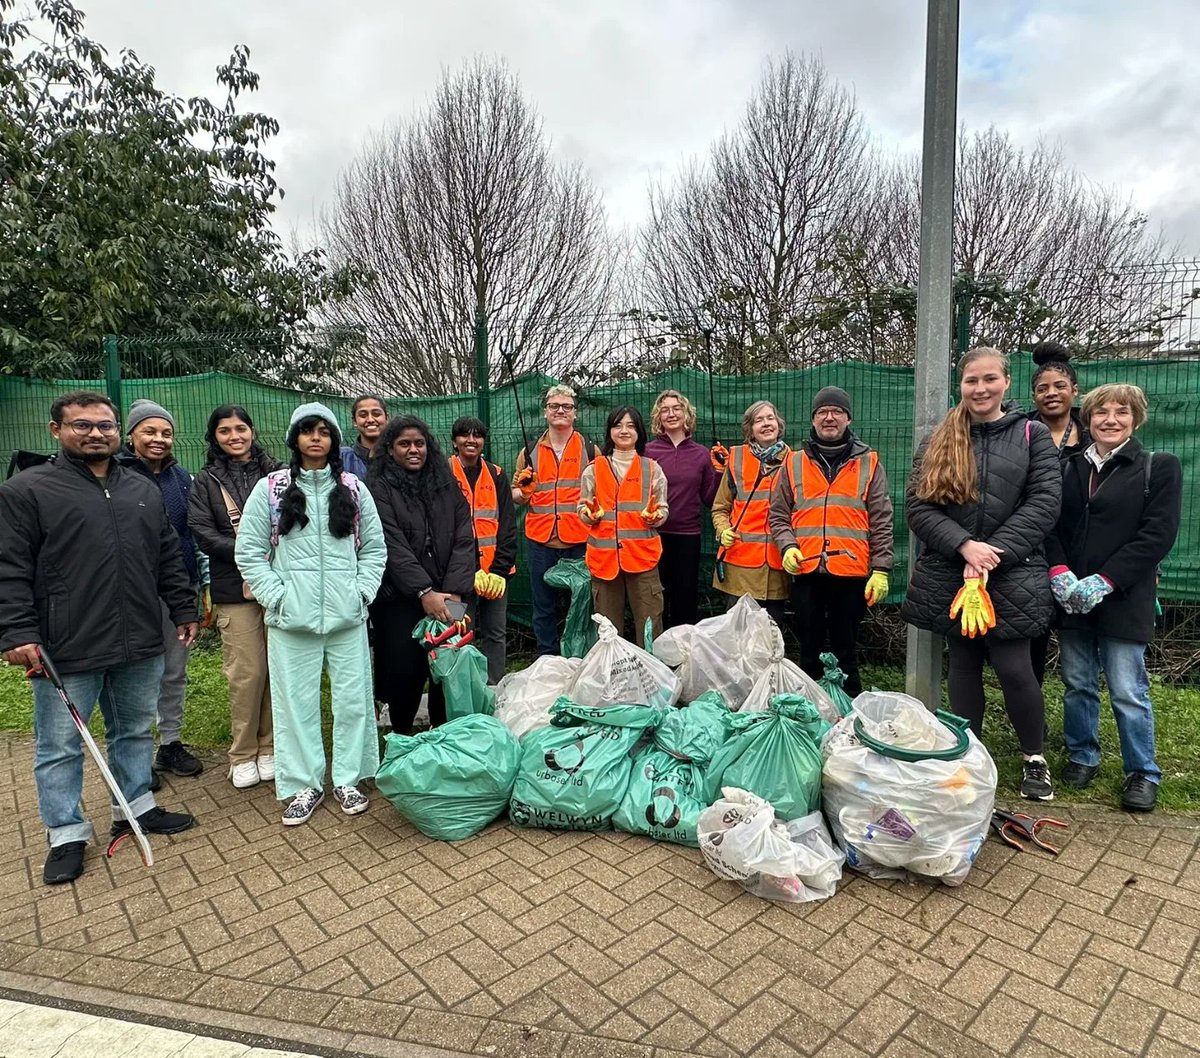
1088, 594
718, 455
1062, 584
877, 588
525, 482
728, 537
792, 559
974, 607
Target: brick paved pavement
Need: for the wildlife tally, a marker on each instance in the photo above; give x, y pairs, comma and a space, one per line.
360, 934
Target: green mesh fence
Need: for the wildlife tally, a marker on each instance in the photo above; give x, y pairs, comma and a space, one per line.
882, 397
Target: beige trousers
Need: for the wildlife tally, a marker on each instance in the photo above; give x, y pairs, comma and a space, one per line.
644, 593
244, 656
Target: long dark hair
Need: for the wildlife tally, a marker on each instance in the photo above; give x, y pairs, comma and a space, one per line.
434, 475
341, 501
639, 424
228, 411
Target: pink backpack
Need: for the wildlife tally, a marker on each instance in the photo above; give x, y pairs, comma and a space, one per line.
277, 484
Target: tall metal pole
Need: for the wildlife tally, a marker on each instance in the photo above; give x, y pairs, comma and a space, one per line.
931, 390
483, 388
112, 371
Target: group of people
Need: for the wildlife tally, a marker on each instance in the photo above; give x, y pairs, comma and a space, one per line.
329, 560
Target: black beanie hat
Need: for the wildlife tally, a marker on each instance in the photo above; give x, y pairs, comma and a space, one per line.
832, 397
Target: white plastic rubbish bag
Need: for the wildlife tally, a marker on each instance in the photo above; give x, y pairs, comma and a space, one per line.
785, 677
523, 699
908, 793
724, 653
741, 840
616, 672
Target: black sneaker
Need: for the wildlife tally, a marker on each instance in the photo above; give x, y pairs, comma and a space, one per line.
175, 758
65, 863
1035, 781
1078, 776
157, 821
1139, 794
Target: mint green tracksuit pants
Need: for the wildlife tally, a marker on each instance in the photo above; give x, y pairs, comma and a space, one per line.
295, 661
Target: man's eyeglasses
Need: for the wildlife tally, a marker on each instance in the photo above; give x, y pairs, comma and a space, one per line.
561, 407
83, 427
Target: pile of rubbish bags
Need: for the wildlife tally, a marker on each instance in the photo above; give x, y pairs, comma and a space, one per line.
714, 740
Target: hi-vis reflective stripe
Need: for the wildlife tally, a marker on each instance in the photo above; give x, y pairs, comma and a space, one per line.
484, 512
612, 543
818, 502
485, 541
816, 532
754, 538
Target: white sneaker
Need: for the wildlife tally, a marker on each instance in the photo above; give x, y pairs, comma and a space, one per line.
351, 800
302, 806
266, 767
244, 775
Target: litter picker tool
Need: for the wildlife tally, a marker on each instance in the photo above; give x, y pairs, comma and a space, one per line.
46, 668
719, 454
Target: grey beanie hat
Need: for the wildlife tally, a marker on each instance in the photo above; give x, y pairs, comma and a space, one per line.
142, 409
303, 412
832, 397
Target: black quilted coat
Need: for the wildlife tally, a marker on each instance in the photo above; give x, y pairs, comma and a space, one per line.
1020, 488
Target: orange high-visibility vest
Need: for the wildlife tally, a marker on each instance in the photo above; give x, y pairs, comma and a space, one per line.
621, 541
751, 511
830, 517
555, 501
485, 508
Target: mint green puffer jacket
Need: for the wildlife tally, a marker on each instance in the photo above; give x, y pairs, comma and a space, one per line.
311, 581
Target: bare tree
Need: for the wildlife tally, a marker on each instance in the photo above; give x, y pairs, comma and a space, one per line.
463, 212
1042, 252
744, 232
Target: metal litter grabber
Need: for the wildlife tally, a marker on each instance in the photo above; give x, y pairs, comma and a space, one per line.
46, 668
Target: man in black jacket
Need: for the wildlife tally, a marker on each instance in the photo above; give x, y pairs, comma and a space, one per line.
86, 553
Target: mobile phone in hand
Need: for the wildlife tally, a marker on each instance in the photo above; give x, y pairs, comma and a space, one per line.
458, 610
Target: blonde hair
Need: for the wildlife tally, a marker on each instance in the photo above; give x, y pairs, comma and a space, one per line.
752, 411
948, 473
1121, 393
558, 391
689, 412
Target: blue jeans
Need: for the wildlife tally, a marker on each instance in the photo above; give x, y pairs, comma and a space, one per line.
128, 696
545, 598
1083, 654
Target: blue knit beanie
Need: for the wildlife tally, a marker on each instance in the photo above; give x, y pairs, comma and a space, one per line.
303, 412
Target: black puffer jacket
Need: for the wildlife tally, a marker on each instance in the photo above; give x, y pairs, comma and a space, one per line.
1020, 488
430, 540
1123, 531
208, 517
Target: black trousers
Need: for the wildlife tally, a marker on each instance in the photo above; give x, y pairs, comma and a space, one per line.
1039, 648
402, 666
679, 571
1023, 700
828, 610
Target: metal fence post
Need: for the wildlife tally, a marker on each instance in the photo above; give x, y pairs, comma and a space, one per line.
962, 318
483, 387
923, 670
112, 371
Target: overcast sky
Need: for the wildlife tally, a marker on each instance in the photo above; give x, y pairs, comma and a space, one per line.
631, 88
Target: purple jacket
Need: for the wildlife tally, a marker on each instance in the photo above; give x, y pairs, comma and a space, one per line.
691, 481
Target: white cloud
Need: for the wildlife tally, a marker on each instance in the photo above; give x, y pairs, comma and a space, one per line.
631, 89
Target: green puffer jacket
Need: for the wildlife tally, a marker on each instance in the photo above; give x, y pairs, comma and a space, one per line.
310, 581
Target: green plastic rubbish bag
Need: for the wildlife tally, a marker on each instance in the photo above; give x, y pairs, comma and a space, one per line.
834, 684
452, 781
579, 633
666, 791
462, 672
575, 772
775, 755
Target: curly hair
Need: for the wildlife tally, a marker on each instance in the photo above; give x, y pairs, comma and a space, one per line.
689, 412
434, 475
292, 504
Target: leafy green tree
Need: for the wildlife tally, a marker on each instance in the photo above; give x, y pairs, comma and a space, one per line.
125, 209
